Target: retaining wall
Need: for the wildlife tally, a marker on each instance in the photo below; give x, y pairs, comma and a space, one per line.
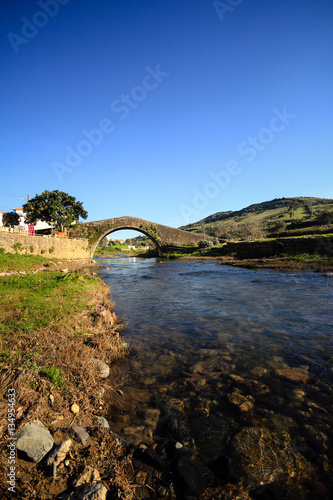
257, 249
53, 248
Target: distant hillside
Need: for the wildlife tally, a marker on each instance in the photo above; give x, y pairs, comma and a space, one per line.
302, 215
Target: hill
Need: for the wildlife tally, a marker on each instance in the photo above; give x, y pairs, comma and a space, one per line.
278, 217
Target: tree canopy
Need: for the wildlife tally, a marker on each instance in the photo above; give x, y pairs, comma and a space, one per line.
10, 219
54, 207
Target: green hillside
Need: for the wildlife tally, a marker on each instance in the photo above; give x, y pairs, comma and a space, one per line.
278, 217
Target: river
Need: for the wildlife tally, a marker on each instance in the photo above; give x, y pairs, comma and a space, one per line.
233, 364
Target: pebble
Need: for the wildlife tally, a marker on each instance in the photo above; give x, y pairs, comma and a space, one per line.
80, 433
75, 408
104, 370
103, 422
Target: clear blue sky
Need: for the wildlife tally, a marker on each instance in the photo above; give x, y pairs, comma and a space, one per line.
201, 106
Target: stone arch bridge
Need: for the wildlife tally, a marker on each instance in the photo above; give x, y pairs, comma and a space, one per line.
161, 236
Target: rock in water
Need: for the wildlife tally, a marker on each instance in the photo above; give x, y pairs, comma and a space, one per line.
194, 475
261, 457
34, 440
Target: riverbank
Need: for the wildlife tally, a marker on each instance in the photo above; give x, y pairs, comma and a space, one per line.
59, 334
321, 264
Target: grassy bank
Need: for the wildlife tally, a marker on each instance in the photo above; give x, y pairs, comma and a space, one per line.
53, 325
15, 262
300, 260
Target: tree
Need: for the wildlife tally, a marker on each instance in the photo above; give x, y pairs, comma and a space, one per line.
292, 206
11, 219
325, 217
54, 207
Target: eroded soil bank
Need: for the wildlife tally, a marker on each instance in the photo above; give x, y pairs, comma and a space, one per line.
59, 334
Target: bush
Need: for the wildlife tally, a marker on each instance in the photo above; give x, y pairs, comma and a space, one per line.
204, 244
17, 247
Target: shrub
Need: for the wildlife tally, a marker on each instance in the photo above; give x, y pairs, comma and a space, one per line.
204, 244
31, 248
17, 247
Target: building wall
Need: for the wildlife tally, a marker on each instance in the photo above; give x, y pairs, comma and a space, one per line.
24, 227
53, 248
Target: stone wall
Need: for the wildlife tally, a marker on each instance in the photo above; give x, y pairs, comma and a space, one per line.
53, 248
258, 249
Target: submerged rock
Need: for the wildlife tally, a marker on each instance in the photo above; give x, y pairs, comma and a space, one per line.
262, 457
293, 374
243, 403
195, 475
34, 440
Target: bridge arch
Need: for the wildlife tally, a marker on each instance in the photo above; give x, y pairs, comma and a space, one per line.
160, 235
132, 228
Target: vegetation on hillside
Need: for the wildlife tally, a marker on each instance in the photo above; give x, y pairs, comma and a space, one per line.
278, 217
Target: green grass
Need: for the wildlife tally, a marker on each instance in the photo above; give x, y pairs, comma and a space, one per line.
307, 257
33, 301
16, 262
53, 374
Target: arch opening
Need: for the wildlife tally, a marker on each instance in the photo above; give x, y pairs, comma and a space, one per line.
131, 228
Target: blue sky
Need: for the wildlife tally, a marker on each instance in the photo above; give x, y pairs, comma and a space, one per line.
169, 110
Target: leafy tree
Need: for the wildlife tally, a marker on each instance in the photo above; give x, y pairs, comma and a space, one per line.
10, 219
325, 217
54, 207
292, 206
204, 244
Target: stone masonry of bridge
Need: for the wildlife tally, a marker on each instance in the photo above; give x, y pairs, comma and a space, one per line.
162, 236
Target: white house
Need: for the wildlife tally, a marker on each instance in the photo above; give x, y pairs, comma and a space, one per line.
24, 227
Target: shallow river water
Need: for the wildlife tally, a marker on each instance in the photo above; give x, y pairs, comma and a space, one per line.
235, 366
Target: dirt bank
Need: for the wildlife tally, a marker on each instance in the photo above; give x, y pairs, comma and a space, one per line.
54, 328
